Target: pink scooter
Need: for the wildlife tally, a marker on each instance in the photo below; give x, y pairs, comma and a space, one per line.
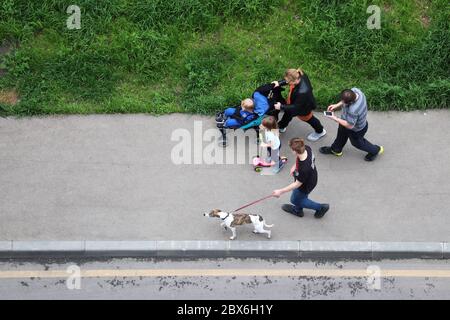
259, 163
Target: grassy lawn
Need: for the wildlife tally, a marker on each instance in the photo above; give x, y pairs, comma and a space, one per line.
198, 56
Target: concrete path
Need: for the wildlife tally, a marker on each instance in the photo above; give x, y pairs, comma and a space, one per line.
112, 178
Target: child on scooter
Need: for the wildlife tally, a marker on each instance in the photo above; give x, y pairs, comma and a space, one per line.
269, 126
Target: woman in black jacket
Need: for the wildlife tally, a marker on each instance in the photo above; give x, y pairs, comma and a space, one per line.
300, 102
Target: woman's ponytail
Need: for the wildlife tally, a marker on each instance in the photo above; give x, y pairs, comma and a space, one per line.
292, 75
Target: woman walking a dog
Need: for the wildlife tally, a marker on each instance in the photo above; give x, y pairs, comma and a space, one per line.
305, 174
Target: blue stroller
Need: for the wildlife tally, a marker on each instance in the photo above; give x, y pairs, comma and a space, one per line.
264, 97
253, 122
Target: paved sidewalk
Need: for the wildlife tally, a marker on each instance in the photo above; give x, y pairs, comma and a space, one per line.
112, 178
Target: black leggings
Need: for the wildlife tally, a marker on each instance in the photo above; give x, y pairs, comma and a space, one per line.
292, 111
315, 123
273, 112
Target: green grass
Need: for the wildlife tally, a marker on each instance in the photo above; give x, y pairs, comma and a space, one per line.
198, 56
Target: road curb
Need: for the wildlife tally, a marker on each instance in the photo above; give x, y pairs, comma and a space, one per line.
119, 248
47, 248
222, 249
423, 250
336, 249
446, 250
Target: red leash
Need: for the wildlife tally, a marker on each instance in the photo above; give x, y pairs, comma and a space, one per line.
252, 203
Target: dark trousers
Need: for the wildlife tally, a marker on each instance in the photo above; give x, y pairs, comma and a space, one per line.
292, 111
273, 112
300, 200
356, 138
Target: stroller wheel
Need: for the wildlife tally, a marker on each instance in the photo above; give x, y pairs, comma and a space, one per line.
223, 143
258, 169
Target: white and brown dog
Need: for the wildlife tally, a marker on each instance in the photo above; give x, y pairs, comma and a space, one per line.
231, 220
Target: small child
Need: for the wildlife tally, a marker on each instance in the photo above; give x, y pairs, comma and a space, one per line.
237, 117
272, 142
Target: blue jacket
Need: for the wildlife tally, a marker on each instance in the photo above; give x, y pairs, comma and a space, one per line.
261, 103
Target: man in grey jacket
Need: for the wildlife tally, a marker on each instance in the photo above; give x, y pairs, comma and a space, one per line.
353, 125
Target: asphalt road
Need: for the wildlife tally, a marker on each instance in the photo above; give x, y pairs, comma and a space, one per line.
228, 279
113, 177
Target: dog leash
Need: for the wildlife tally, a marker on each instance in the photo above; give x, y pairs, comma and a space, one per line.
252, 203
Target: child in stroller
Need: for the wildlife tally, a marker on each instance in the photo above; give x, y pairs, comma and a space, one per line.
237, 117
251, 111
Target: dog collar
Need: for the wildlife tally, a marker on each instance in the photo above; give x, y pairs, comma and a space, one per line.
226, 216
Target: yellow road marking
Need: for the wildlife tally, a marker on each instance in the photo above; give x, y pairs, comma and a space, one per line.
334, 273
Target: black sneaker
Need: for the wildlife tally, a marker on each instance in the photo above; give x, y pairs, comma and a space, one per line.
289, 208
320, 213
328, 150
371, 157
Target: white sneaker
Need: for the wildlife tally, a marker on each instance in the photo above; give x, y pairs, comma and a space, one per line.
282, 130
314, 136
